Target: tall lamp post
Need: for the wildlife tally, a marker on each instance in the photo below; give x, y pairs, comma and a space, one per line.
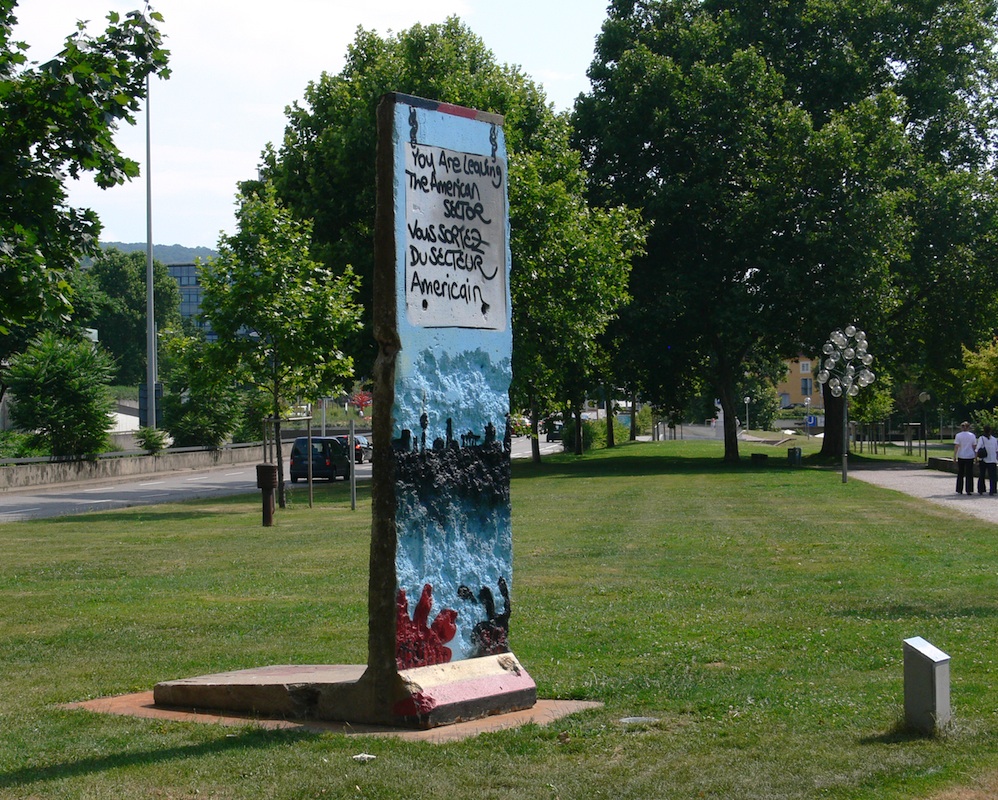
747, 401
924, 398
846, 370
152, 367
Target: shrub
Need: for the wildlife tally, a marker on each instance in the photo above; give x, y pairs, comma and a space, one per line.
60, 391
152, 440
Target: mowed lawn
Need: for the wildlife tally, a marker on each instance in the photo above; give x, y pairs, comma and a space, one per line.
754, 616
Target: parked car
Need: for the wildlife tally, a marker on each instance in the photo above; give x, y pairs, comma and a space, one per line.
329, 459
554, 430
361, 447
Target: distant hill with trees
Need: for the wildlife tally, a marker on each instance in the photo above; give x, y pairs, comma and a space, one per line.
166, 253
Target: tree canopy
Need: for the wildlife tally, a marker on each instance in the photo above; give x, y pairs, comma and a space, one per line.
570, 261
111, 298
280, 317
59, 121
61, 397
788, 155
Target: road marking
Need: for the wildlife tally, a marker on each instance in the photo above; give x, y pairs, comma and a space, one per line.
198, 478
231, 474
100, 489
151, 483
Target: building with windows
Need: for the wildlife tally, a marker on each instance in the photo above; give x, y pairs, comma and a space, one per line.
186, 276
799, 387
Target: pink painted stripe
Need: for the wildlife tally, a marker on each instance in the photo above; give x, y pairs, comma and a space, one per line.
458, 111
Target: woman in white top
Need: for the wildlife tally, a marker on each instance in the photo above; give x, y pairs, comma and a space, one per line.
964, 453
989, 464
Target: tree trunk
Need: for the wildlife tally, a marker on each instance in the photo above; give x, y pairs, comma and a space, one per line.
578, 431
634, 416
831, 444
730, 425
281, 498
282, 501
535, 434
608, 406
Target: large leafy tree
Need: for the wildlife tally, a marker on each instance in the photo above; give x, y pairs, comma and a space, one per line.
111, 298
61, 396
280, 317
571, 266
570, 262
59, 121
786, 153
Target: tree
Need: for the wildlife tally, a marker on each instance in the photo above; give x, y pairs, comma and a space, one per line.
978, 375
569, 261
60, 391
569, 281
202, 404
111, 297
280, 317
784, 151
59, 120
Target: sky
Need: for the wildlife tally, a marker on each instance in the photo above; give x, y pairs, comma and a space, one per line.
236, 66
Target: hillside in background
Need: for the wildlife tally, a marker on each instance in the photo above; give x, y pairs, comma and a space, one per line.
166, 253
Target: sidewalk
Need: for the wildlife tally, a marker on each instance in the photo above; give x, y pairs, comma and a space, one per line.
932, 485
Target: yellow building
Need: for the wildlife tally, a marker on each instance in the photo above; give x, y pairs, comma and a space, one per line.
799, 387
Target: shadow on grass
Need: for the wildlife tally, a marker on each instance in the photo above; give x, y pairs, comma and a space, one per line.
900, 733
247, 740
622, 466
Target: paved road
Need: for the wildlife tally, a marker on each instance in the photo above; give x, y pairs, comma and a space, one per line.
82, 498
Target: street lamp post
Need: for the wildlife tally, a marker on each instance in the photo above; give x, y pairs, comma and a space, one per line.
924, 398
747, 401
846, 370
807, 418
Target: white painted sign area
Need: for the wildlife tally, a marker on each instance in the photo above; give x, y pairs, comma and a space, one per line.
455, 239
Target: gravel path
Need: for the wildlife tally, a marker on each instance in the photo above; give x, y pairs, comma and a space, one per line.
932, 485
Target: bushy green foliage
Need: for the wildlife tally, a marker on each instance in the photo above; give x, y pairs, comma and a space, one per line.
17, 444
59, 121
111, 298
985, 416
60, 392
204, 400
152, 440
254, 410
594, 433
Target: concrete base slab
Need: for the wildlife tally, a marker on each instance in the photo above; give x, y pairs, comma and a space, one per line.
282, 691
424, 697
142, 705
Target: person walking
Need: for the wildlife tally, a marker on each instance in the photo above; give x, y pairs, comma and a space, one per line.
988, 463
964, 453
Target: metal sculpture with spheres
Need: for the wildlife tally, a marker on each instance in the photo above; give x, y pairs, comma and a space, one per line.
846, 369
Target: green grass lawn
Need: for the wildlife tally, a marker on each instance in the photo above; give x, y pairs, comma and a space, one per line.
756, 614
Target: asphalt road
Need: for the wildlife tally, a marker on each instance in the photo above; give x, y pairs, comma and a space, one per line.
83, 498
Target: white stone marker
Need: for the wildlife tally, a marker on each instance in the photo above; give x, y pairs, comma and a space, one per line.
926, 686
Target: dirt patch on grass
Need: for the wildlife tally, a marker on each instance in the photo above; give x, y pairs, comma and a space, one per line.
984, 788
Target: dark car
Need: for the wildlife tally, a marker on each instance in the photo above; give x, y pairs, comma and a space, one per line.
554, 430
361, 447
329, 459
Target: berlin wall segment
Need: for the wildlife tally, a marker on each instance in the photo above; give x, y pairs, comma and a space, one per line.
441, 557
440, 582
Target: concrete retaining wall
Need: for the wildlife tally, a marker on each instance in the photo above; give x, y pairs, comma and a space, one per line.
119, 467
